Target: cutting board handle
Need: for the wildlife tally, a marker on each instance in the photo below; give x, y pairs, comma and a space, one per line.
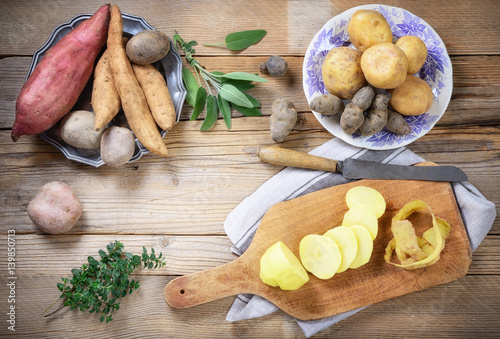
212, 284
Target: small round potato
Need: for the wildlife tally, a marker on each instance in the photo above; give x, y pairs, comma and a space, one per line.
117, 146
384, 65
341, 71
55, 209
415, 50
147, 47
77, 130
413, 97
367, 28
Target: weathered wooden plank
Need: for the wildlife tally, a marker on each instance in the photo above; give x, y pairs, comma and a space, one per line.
49, 254
177, 194
474, 101
144, 313
466, 27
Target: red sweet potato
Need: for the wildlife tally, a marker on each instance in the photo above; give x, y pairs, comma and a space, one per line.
59, 78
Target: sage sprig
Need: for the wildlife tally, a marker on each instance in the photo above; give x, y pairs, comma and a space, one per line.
240, 40
217, 91
97, 286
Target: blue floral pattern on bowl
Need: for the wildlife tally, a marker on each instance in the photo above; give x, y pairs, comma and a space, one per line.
437, 72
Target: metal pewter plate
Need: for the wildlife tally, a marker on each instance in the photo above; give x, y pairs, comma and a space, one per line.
437, 72
170, 66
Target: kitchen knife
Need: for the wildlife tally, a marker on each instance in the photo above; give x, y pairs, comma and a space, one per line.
359, 169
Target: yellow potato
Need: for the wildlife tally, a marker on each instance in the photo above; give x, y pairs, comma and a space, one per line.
367, 28
348, 245
365, 246
280, 267
384, 65
341, 71
320, 255
367, 195
362, 214
415, 51
413, 97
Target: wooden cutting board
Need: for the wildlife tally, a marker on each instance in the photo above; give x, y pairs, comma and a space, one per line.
315, 213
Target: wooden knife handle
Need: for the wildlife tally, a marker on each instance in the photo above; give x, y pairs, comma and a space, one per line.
287, 157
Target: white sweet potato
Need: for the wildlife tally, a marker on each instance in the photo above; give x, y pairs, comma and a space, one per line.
134, 103
57, 81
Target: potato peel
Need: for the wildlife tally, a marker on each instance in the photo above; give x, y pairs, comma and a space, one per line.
412, 251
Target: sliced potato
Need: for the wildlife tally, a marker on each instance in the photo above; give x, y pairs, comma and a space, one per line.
320, 255
348, 245
362, 214
365, 246
367, 195
280, 267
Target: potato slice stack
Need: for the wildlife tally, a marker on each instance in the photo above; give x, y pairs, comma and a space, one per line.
349, 245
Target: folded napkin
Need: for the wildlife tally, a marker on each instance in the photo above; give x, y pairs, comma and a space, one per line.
240, 225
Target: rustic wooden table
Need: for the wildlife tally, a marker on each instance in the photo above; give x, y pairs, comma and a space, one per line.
178, 204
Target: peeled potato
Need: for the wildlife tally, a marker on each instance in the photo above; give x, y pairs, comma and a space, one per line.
366, 195
413, 97
341, 71
280, 267
320, 255
363, 215
384, 65
365, 246
415, 51
348, 245
368, 27
412, 251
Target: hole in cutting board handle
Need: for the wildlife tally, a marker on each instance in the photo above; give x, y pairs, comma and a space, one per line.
182, 291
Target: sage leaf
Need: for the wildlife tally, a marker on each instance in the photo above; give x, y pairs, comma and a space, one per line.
225, 109
201, 98
234, 95
247, 111
191, 86
239, 84
255, 102
243, 76
241, 40
212, 113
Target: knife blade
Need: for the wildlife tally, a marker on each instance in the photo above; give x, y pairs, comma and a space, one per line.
359, 169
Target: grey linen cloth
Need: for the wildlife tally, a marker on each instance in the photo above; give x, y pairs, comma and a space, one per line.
240, 225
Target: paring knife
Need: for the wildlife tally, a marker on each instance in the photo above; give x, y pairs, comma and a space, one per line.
359, 169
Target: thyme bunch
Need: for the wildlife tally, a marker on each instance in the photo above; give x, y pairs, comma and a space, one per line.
97, 286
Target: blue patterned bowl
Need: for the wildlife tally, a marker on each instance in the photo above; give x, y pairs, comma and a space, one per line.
437, 71
170, 66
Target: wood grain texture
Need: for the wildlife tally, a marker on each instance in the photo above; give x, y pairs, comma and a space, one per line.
433, 312
290, 24
473, 102
178, 204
